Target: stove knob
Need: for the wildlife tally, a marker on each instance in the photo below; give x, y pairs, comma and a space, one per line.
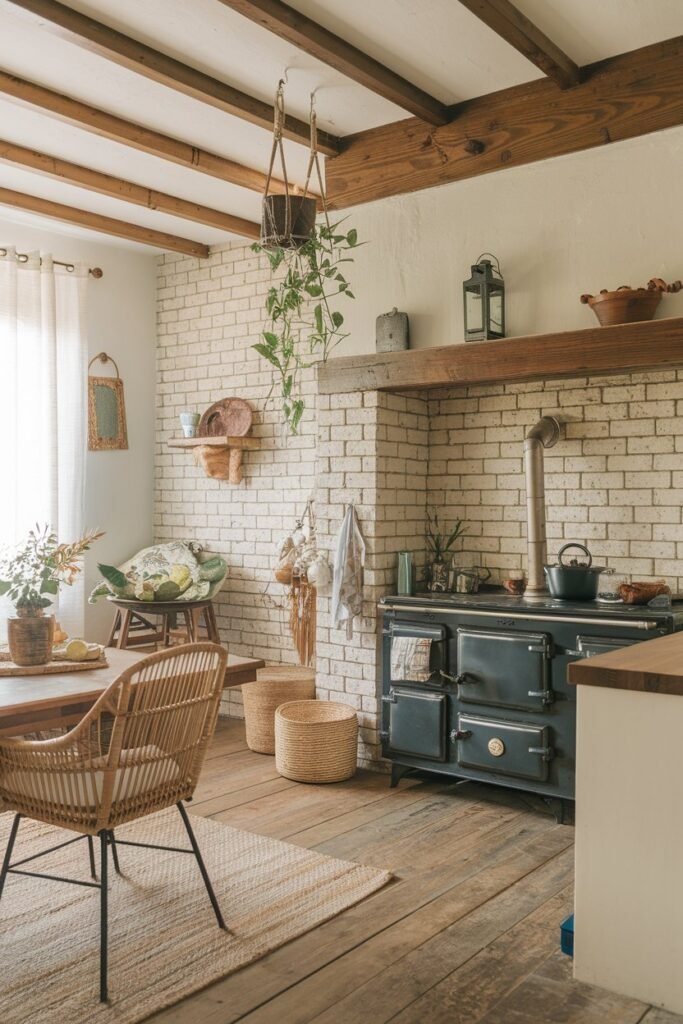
496, 747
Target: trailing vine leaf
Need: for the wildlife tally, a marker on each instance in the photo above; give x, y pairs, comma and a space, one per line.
300, 328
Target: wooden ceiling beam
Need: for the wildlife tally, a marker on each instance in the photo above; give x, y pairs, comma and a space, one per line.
103, 225
620, 98
108, 126
127, 191
159, 67
325, 46
515, 28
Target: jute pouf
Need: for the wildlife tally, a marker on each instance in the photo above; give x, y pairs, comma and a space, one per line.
275, 685
316, 741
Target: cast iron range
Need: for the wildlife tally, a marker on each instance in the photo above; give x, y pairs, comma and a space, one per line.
496, 707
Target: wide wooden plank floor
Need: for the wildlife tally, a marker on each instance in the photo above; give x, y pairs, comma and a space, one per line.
468, 932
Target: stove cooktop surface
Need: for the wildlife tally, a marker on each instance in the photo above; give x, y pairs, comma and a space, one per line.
501, 600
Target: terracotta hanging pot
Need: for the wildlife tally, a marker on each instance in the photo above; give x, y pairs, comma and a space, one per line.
287, 220
30, 638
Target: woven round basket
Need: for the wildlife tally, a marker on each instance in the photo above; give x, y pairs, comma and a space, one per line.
316, 741
274, 685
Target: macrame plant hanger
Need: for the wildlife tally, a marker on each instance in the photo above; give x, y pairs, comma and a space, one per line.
288, 217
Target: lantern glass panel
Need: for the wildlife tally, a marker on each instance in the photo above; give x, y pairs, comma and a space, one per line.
495, 324
474, 310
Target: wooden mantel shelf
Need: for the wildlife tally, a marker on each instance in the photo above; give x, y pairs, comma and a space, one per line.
647, 345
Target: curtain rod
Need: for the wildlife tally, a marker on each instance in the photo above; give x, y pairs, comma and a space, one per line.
23, 257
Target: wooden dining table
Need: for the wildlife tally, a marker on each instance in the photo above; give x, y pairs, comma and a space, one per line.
42, 702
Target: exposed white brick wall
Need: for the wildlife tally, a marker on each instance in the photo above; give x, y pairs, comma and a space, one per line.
210, 313
614, 482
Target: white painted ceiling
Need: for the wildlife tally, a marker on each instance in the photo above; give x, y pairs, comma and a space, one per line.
436, 44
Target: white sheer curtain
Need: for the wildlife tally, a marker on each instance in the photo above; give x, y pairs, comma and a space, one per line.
43, 408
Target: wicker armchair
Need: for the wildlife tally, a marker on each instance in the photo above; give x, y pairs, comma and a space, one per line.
138, 750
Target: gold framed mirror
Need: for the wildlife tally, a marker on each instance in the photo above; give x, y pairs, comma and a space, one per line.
106, 410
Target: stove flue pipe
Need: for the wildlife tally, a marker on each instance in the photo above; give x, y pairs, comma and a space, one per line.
545, 434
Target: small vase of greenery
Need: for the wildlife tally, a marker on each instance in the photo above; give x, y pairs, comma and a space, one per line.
440, 543
30, 576
305, 325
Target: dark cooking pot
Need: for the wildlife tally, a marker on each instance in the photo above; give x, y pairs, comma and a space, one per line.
573, 581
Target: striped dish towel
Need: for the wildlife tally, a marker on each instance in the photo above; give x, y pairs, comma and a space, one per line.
410, 659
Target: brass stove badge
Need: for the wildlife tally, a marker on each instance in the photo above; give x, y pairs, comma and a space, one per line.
496, 747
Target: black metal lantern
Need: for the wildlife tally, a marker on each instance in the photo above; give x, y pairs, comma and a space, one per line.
484, 301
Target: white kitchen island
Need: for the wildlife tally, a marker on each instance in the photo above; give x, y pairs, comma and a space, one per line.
629, 821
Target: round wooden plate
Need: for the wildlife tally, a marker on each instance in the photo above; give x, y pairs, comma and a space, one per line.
229, 417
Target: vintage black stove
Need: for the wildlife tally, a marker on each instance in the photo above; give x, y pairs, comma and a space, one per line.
496, 707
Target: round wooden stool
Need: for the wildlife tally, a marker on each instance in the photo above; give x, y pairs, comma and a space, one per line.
132, 628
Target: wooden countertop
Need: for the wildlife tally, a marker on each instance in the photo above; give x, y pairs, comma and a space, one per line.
655, 666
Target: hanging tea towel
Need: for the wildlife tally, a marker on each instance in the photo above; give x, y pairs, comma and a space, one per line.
347, 583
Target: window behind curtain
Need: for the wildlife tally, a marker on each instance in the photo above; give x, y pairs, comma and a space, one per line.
43, 409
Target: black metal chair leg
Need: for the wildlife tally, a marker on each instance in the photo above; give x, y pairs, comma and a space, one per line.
91, 852
103, 916
114, 852
8, 851
202, 867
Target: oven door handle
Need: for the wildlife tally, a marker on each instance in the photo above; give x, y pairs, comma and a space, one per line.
459, 679
546, 696
460, 734
547, 753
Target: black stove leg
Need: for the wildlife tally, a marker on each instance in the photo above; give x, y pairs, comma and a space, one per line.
397, 773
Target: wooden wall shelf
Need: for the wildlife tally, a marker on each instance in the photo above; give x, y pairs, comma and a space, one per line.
214, 442
220, 457
647, 345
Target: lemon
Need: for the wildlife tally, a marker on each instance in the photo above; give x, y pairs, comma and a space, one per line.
180, 574
76, 650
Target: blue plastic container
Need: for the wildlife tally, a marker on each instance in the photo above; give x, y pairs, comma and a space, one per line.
567, 936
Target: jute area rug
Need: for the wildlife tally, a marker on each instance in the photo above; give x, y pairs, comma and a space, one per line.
164, 942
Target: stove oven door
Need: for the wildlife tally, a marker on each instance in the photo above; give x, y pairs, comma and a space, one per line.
416, 723
590, 646
506, 748
504, 669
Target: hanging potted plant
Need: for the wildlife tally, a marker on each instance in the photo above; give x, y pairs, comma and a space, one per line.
288, 217
308, 259
30, 576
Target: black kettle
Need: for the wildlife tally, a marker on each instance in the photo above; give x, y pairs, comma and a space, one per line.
573, 581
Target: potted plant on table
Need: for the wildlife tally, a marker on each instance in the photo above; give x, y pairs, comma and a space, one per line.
439, 544
31, 575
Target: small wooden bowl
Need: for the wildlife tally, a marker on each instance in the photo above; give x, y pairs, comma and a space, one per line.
515, 586
624, 306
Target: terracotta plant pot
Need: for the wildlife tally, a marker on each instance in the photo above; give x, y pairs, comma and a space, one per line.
628, 305
287, 221
30, 639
